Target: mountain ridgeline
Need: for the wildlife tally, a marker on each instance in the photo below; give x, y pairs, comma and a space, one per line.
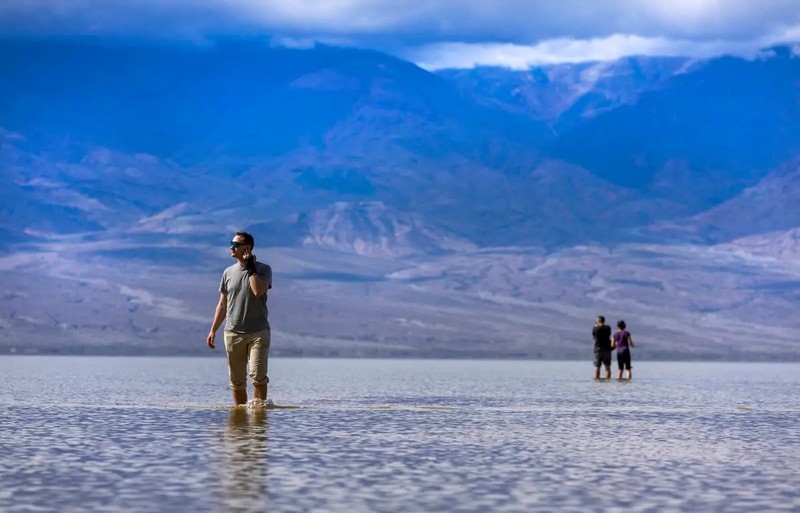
548, 156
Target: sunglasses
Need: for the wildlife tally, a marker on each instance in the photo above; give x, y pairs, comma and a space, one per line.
235, 244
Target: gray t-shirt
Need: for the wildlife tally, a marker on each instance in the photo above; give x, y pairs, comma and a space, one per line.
246, 312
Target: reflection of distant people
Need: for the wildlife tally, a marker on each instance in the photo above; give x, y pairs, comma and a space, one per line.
623, 342
243, 302
601, 333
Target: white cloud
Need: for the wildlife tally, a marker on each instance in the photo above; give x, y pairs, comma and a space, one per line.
42, 183
468, 55
298, 43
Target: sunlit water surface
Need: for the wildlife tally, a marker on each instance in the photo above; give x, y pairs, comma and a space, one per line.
157, 434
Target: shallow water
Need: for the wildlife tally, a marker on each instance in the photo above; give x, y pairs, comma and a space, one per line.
157, 434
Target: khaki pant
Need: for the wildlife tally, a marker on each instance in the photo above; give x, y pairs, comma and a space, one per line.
241, 347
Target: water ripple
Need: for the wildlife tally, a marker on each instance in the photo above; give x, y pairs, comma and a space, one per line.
505, 443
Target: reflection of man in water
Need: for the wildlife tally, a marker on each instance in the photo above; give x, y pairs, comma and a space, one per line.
243, 302
245, 461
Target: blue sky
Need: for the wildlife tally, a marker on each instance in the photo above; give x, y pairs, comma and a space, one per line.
434, 33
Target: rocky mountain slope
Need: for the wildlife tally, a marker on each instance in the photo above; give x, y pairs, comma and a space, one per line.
473, 213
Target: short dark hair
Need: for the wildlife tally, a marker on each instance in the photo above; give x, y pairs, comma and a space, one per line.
248, 239
601, 319
621, 324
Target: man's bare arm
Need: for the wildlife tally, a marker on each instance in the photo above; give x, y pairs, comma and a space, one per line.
258, 285
219, 316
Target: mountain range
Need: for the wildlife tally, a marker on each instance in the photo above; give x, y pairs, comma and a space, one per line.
476, 213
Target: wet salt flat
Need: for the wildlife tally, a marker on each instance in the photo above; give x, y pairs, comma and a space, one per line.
156, 434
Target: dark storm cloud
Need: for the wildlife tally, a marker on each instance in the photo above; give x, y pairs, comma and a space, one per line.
429, 30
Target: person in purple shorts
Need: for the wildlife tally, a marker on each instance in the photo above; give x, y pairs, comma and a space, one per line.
623, 341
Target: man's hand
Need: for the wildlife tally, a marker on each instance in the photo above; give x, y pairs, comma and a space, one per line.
250, 263
210, 339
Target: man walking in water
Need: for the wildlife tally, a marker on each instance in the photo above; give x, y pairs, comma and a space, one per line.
601, 333
243, 302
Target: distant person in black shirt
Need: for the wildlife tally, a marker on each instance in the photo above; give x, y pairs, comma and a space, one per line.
601, 333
